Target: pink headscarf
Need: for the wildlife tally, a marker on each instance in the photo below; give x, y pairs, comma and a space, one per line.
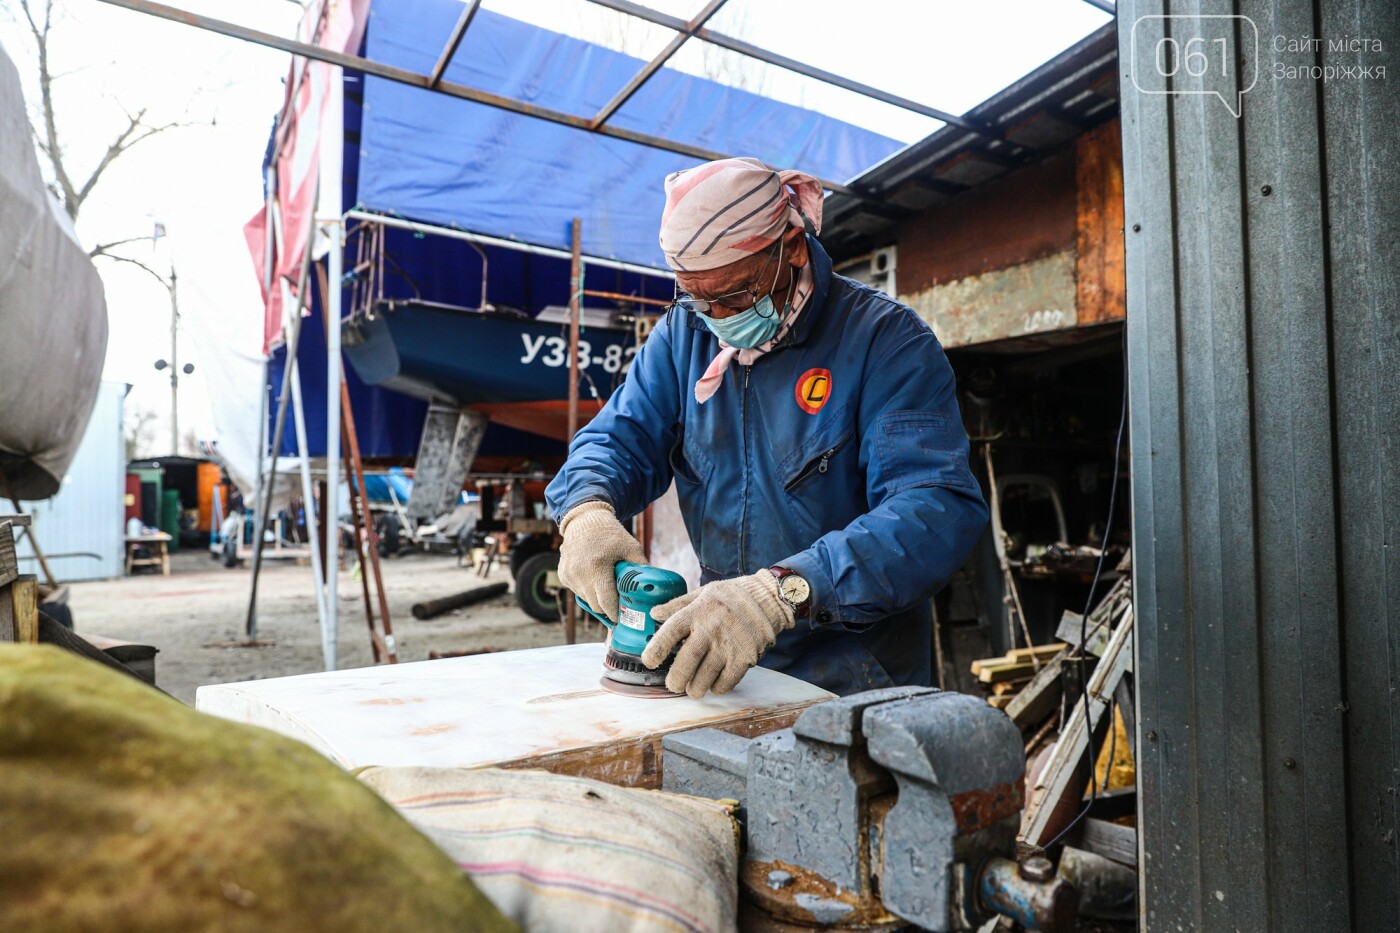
721, 212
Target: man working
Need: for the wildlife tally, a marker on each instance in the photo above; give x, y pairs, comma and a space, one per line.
812, 429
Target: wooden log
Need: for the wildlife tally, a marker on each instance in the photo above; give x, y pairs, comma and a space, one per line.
436, 607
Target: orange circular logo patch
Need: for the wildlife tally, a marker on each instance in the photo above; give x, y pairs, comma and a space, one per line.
813, 389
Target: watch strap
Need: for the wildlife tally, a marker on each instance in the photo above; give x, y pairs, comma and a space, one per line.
799, 610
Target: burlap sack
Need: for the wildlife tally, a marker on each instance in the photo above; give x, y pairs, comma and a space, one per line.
559, 853
122, 809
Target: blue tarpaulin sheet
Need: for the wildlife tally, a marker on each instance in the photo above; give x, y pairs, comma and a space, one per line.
452, 162
442, 160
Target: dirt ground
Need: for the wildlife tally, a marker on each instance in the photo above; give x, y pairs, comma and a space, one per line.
194, 615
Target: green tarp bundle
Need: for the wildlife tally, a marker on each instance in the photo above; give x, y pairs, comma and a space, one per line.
122, 809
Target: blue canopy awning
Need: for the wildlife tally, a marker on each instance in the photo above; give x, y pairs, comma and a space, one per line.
451, 162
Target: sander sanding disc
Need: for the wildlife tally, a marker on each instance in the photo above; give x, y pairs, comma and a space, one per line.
636, 690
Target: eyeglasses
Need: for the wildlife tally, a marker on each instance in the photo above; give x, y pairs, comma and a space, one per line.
739, 300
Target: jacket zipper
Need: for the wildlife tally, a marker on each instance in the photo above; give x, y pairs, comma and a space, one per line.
744, 435
822, 465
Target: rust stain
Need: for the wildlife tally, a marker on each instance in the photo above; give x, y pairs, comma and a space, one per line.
609, 729
436, 729
978, 809
1099, 271
390, 701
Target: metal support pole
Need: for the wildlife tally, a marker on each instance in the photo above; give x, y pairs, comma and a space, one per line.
355, 476
464, 22
174, 365
270, 483
329, 197
288, 377
575, 312
331, 507
308, 495
651, 67
262, 453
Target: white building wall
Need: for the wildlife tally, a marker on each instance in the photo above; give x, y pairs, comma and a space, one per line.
80, 528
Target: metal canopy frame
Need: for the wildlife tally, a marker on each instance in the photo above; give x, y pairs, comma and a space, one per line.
685, 30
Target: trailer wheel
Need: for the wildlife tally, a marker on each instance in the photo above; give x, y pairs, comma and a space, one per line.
537, 586
523, 550
387, 531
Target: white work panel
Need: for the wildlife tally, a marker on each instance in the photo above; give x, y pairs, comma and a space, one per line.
481, 710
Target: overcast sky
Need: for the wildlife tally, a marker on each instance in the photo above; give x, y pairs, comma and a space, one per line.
202, 181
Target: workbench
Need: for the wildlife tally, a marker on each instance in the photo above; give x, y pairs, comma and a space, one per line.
535, 708
158, 543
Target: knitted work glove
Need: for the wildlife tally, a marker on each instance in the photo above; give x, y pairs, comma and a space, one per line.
726, 626
594, 543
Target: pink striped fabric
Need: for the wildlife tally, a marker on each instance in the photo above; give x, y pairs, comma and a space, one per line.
720, 212
561, 854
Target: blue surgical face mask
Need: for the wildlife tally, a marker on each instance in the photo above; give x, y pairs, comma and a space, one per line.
751, 328
756, 326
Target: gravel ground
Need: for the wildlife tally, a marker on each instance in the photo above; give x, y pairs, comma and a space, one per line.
194, 615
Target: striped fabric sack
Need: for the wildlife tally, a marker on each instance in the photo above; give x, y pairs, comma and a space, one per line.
559, 853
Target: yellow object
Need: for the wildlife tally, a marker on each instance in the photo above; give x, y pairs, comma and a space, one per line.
1122, 772
125, 810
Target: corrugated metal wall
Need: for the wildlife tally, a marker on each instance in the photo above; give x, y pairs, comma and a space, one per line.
1264, 347
80, 528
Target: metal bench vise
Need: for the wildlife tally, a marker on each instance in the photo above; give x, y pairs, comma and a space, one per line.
878, 810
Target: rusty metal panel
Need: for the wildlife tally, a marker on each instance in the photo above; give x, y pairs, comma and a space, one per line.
1264, 371
1029, 298
1098, 171
1028, 214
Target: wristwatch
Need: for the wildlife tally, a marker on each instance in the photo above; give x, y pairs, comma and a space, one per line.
793, 590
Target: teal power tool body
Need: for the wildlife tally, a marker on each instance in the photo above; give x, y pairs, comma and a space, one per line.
640, 589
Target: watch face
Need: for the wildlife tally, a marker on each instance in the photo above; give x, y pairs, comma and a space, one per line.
794, 589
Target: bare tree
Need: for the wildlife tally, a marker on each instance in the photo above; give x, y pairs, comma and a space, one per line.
72, 188
140, 431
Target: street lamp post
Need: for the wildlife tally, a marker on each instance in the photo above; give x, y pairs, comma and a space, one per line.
174, 363
174, 366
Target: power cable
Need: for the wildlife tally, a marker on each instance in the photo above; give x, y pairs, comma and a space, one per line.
1088, 604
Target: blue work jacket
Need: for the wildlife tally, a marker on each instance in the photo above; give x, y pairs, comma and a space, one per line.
839, 454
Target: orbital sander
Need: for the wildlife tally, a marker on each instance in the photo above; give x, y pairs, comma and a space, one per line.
640, 589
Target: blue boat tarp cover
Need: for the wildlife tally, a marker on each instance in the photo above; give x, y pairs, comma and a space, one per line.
378, 486
451, 162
